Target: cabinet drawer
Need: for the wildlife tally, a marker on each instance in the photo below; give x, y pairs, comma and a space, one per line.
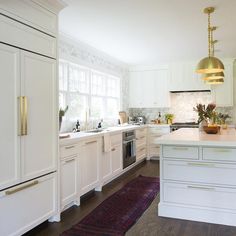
141, 153
30, 13
19, 35
141, 141
27, 205
197, 195
202, 172
181, 152
68, 150
153, 140
219, 154
116, 139
140, 133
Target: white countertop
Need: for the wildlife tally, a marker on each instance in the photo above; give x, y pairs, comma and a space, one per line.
192, 136
75, 137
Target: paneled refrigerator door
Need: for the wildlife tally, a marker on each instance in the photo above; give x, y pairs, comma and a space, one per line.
39, 144
9, 139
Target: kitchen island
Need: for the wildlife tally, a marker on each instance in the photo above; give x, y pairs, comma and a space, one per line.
198, 176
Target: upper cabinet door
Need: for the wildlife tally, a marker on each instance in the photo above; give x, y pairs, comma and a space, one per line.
39, 146
223, 93
184, 77
149, 87
9, 91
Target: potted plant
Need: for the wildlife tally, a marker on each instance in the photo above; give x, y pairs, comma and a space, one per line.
169, 118
222, 119
62, 112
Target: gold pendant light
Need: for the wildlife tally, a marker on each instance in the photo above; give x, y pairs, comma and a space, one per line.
209, 64
213, 78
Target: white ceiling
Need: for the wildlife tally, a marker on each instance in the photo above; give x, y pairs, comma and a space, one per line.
144, 32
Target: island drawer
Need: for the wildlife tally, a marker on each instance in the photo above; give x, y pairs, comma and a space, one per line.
199, 195
180, 152
201, 172
219, 154
68, 150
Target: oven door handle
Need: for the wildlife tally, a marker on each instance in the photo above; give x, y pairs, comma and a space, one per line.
125, 142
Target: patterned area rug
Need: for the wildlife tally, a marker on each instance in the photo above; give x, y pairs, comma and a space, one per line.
115, 215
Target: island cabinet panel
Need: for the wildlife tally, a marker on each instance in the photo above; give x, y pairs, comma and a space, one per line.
180, 152
219, 154
200, 172
200, 195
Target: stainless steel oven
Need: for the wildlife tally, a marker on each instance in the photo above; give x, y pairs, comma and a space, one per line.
129, 148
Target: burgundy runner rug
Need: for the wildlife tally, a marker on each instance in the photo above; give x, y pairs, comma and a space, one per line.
115, 215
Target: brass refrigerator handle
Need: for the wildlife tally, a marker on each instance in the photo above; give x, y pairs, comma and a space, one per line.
25, 115
21, 111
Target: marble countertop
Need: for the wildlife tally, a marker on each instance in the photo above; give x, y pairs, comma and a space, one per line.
192, 136
75, 137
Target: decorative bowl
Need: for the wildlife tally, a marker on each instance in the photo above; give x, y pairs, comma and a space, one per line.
211, 129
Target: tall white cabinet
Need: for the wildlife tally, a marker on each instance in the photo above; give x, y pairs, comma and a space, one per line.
28, 123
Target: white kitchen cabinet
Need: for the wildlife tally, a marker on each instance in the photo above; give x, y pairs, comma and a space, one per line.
149, 87
9, 91
116, 157
223, 94
90, 155
111, 162
38, 82
141, 144
154, 133
32, 76
27, 205
184, 78
69, 181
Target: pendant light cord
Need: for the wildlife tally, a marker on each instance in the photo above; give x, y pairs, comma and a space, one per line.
209, 34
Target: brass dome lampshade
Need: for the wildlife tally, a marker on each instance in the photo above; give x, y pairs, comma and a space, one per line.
209, 64
215, 81
213, 76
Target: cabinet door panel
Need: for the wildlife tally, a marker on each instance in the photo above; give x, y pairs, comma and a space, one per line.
116, 153
106, 166
38, 85
89, 165
68, 180
9, 91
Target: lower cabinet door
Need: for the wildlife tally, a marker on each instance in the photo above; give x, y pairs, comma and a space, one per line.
68, 180
27, 205
116, 155
90, 156
106, 162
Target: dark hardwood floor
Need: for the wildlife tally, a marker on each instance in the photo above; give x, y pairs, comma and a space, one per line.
149, 224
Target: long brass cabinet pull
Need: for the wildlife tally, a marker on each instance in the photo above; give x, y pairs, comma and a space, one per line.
23, 115
113, 149
69, 147
201, 187
200, 164
180, 148
21, 111
222, 150
90, 142
9, 192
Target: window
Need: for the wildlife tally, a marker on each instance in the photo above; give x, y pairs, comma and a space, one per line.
84, 89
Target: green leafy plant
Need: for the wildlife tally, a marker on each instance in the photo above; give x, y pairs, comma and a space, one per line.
62, 112
206, 112
223, 117
169, 117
